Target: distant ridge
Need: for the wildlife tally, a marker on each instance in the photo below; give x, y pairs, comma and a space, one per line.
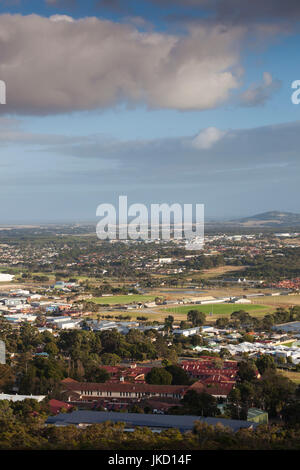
269, 219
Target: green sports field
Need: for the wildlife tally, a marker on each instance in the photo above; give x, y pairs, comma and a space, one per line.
123, 299
222, 309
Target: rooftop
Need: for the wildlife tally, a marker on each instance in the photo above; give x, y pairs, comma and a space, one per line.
183, 423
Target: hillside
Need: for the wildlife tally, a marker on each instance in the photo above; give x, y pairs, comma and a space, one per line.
269, 219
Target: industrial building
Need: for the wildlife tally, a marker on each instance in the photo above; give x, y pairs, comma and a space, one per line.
156, 423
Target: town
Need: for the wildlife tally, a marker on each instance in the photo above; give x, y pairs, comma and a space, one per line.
90, 329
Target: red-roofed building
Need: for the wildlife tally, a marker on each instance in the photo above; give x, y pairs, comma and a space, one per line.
208, 368
216, 376
133, 374
56, 406
125, 393
218, 390
87, 391
68, 380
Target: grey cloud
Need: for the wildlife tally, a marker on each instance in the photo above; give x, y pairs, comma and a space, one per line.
226, 11
238, 152
239, 173
222, 156
239, 11
11, 132
259, 94
236, 11
61, 66
223, 150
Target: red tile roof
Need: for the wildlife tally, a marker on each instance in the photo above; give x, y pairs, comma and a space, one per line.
56, 406
214, 389
124, 387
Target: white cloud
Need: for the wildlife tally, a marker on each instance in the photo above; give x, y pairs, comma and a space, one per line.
61, 65
208, 138
57, 18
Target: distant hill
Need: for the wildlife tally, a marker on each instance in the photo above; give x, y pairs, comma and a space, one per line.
269, 219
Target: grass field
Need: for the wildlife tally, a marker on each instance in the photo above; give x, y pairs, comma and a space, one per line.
220, 270
123, 299
222, 309
280, 300
293, 376
289, 344
180, 313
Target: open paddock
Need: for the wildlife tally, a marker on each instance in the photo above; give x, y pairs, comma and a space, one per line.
293, 376
123, 299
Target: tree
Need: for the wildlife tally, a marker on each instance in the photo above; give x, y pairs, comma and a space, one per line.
242, 316
268, 322
202, 404
108, 359
28, 338
159, 376
6, 413
196, 340
179, 376
7, 377
51, 349
247, 371
224, 353
291, 413
42, 376
274, 391
196, 317
234, 403
111, 340
222, 322
248, 393
265, 362
169, 322
97, 374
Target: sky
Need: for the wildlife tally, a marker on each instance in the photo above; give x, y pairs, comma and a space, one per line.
165, 101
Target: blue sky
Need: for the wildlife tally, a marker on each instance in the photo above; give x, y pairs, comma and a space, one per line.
162, 101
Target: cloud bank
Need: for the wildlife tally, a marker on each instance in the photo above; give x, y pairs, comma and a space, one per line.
246, 170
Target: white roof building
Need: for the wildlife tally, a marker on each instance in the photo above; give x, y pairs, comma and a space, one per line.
6, 277
19, 317
5, 396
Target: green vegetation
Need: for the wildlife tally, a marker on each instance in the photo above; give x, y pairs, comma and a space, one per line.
22, 428
159, 376
284, 266
170, 375
197, 404
291, 375
123, 299
220, 309
272, 392
196, 318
